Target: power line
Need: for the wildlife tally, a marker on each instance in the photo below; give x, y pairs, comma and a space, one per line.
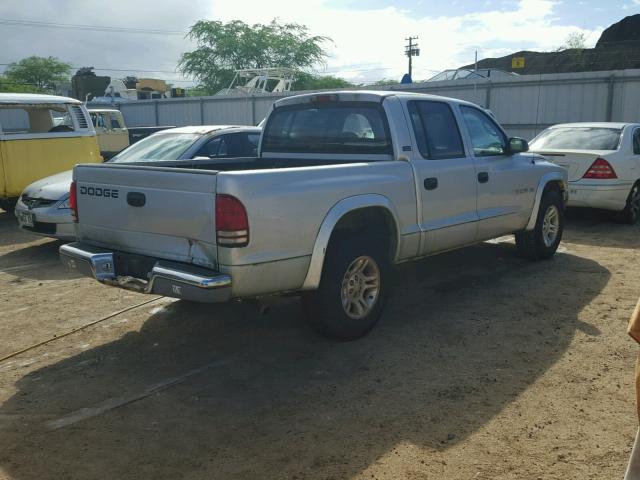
100, 28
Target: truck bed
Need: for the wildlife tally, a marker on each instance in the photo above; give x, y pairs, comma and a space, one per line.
242, 163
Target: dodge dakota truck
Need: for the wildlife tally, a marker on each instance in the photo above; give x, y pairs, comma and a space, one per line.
345, 185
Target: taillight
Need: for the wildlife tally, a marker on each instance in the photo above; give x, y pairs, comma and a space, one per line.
232, 226
73, 201
601, 170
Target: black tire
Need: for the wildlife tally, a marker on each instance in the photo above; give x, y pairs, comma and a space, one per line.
531, 244
8, 205
324, 307
631, 212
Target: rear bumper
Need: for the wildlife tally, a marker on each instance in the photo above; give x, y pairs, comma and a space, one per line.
170, 279
599, 195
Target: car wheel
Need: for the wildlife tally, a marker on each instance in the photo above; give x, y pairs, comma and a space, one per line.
542, 242
631, 212
8, 205
353, 289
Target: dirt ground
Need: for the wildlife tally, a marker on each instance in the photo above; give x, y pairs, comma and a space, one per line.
485, 366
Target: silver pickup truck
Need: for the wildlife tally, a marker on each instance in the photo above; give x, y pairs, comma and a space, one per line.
344, 186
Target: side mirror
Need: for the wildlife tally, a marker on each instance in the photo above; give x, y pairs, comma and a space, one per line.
518, 145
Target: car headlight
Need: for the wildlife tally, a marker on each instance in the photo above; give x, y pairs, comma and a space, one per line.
64, 204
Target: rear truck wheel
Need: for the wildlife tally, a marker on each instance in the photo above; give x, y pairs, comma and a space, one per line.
631, 212
353, 289
542, 242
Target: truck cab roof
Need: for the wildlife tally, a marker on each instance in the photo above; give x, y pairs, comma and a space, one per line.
361, 96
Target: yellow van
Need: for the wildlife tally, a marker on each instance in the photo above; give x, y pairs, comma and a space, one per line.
41, 135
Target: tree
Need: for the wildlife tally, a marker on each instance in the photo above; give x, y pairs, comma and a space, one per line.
9, 86
225, 47
306, 81
575, 40
42, 73
384, 82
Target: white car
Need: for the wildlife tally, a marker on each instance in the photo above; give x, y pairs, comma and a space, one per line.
603, 161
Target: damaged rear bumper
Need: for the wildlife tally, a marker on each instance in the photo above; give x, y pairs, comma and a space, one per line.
170, 279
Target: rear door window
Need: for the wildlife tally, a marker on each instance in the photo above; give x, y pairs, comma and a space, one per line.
436, 130
334, 127
636, 141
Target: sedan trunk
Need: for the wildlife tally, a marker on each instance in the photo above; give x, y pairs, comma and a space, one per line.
576, 162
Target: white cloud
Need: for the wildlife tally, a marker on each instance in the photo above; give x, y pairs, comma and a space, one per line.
368, 43
369, 38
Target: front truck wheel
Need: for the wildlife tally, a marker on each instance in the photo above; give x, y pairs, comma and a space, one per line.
353, 289
542, 242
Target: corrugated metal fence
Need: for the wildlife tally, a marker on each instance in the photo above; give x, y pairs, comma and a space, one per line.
524, 105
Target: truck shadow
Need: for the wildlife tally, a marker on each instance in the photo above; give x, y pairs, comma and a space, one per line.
36, 262
597, 228
10, 233
264, 397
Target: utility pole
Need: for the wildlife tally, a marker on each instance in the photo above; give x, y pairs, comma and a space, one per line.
410, 51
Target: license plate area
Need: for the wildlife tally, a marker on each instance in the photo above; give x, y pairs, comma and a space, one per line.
26, 219
132, 265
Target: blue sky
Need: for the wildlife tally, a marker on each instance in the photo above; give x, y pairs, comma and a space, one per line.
587, 14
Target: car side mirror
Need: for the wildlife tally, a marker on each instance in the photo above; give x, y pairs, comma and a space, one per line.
518, 145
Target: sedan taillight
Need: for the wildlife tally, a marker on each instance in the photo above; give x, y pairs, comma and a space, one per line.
600, 170
232, 225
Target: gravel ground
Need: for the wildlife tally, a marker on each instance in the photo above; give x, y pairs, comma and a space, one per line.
485, 366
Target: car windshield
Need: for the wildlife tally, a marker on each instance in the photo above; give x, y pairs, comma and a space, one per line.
157, 148
578, 138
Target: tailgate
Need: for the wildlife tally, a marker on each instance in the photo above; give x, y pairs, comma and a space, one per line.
166, 213
576, 162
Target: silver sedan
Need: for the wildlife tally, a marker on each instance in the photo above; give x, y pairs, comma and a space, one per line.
43, 207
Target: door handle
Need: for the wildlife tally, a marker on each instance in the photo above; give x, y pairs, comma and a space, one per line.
430, 183
136, 199
483, 177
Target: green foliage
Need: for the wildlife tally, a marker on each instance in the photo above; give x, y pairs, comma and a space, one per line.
306, 81
225, 47
196, 92
9, 86
40, 73
385, 81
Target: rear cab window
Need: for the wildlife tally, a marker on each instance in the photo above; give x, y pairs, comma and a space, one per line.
328, 128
